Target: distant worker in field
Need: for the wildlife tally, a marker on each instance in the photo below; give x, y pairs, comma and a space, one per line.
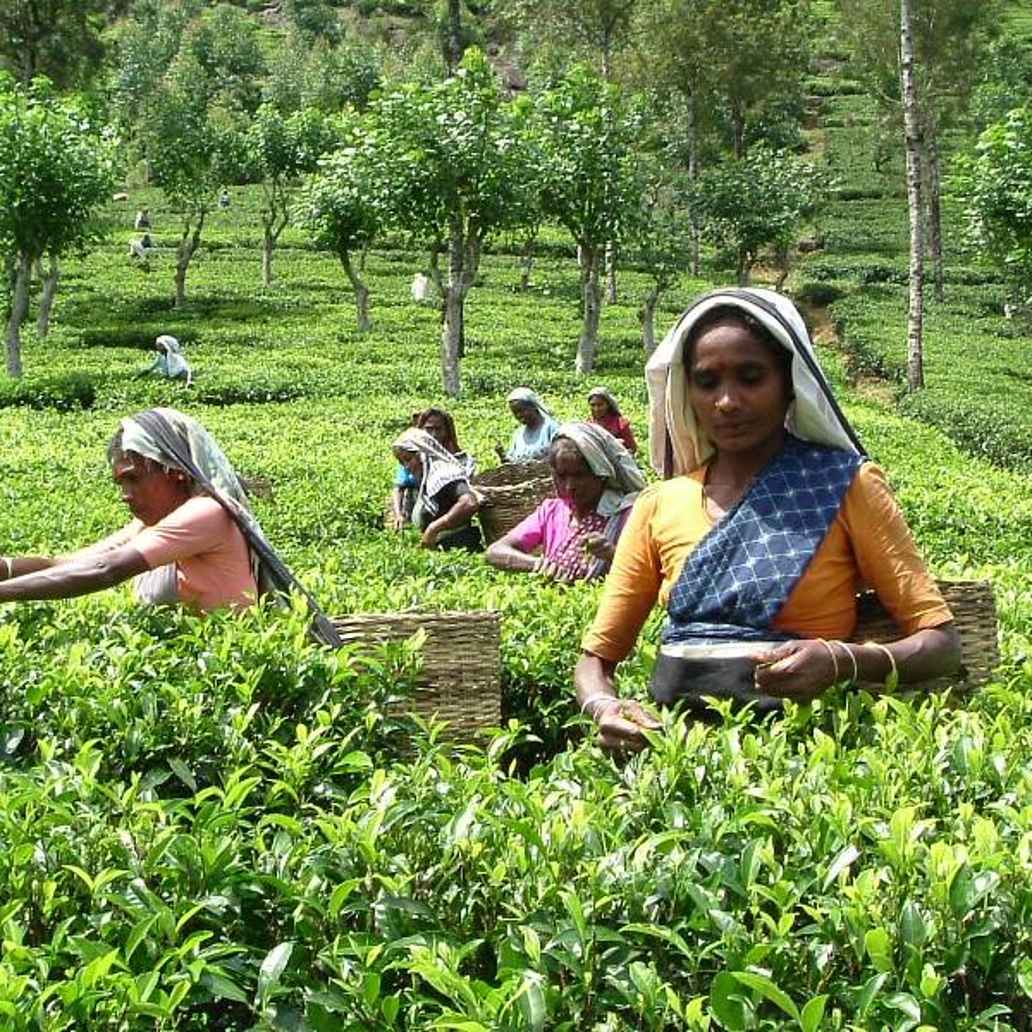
192, 540
755, 544
532, 439
440, 425
141, 249
170, 362
573, 536
606, 413
224, 200
445, 503
142, 220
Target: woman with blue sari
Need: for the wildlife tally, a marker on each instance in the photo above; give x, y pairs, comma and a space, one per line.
768, 521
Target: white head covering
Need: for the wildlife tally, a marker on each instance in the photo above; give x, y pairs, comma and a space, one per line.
814, 415
440, 466
170, 344
204, 451
529, 397
606, 457
604, 392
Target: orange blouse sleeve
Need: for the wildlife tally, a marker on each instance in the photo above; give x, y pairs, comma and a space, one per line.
631, 588
886, 555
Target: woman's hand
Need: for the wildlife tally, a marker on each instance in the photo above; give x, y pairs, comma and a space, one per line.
552, 571
599, 546
500, 452
797, 670
430, 536
622, 725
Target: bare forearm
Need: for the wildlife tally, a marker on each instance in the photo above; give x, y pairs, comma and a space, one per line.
593, 677
507, 557
73, 577
458, 515
19, 565
933, 652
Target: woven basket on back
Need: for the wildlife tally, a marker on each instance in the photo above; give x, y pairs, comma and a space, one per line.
509, 473
461, 679
502, 508
974, 611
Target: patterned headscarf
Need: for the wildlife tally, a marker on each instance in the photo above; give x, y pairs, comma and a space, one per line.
440, 467
608, 458
676, 443
203, 449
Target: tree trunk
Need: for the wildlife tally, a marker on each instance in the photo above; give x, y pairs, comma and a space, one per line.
19, 309
933, 204
361, 294
912, 132
648, 320
46, 301
693, 175
268, 243
611, 272
435, 270
743, 267
188, 244
592, 304
454, 35
527, 262
738, 132
451, 331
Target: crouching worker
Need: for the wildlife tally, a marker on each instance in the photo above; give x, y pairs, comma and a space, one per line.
192, 540
573, 537
170, 362
445, 503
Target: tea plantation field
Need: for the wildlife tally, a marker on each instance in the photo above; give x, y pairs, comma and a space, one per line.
209, 824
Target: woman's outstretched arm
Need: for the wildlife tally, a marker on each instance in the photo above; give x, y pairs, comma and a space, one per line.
80, 574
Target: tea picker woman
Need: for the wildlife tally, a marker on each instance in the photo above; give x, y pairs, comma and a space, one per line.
445, 503
605, 411
192, 540
596, 482
532, 438
770, 519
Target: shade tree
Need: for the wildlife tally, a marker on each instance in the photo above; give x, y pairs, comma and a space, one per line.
56, 171
590, 178
344, 207
279, 150
456, 158
756, 203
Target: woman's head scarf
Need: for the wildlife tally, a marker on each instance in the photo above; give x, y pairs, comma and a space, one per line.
526, 396
204, 451
603, 392
176, 440
440, 467
676, 443
608, 458
169, 344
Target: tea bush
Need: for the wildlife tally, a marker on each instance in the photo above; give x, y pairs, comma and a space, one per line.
215, 824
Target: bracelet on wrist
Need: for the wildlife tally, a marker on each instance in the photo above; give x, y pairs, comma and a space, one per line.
589, 705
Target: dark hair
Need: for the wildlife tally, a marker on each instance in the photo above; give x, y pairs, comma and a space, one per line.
759, 330
449, 425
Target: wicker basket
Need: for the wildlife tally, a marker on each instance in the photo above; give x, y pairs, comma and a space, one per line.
461, 678
502, 508
974, 611
509, 473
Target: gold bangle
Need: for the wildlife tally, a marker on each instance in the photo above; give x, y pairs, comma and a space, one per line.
892, 678
834, 660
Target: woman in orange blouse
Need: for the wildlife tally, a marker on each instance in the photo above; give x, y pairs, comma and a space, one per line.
770, 520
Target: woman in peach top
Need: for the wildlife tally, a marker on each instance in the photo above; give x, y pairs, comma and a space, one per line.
193, 539
768, 521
